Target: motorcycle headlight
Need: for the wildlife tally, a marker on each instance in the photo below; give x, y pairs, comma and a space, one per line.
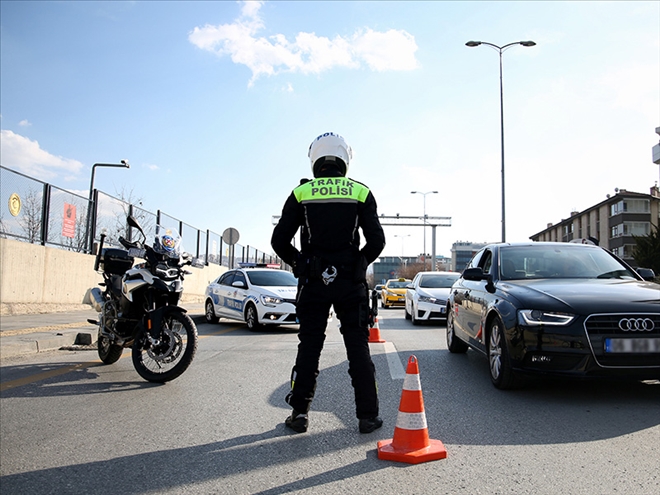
535, 317
163, 271
270, 300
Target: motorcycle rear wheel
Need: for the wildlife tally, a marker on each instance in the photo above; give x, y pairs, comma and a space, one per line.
108, 352
169, 359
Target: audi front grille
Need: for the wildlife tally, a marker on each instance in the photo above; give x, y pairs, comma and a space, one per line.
624, 340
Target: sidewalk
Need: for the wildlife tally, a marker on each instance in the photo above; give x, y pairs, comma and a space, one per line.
32, 333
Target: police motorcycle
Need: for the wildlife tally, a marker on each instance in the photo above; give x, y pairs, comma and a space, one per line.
138, 306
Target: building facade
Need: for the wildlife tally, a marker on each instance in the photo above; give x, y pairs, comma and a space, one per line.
388, 267
612, 223
462, 253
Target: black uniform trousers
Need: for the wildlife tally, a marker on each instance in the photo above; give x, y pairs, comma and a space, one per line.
351, 305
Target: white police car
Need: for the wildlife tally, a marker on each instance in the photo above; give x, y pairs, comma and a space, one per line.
254, 294
426, 297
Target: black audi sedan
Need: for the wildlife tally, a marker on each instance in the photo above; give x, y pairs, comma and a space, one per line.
555, 308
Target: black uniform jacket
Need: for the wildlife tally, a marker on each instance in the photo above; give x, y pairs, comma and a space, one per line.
330, 211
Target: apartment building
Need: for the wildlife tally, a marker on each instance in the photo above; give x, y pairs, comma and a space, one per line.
612, 223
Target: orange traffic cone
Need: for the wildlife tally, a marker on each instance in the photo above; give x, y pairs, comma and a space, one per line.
411, 442
374, 332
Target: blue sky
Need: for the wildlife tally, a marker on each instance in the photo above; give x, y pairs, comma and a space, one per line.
214, 105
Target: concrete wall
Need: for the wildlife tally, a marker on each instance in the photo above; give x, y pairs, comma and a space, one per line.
39, 279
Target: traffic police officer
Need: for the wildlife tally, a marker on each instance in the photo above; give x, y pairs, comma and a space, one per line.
331, 270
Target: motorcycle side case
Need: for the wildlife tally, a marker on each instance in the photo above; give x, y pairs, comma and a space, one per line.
115, 261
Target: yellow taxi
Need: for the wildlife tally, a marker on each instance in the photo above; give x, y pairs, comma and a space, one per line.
393, 292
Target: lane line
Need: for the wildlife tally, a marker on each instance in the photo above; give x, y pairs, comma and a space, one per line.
394, 362
83, 325
219, 332
46, 375
27, 380
397, 372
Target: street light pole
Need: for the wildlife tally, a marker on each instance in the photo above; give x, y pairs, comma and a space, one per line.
403, 262
500, 49
402, 239
89, 233
424, 227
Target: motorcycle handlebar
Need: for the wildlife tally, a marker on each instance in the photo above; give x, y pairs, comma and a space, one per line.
127, 244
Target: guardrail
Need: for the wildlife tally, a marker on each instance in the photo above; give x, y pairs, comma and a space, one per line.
41, 213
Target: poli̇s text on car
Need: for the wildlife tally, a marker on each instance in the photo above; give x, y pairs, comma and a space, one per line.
259, 295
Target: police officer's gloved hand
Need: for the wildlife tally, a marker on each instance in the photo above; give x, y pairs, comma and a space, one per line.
299, 265
360, 273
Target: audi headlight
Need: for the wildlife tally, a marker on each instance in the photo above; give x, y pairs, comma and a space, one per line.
535, 317
270, 300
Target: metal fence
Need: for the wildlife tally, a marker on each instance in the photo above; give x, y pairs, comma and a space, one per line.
40, 213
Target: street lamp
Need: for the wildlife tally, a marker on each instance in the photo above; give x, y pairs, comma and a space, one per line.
500, 49
402, 239
90, 232
403, 262
424, 194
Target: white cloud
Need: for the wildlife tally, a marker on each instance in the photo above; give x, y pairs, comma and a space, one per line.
309, 53
26, 156
391, 50
25, 123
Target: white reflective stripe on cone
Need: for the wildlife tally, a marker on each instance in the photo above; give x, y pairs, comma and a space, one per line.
411, 382
411, 421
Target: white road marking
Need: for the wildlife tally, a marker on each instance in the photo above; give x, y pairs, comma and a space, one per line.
394, 362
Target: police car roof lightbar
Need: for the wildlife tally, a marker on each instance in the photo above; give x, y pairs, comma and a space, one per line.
258, 265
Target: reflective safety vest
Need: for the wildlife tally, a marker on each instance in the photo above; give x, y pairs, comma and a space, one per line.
331, 190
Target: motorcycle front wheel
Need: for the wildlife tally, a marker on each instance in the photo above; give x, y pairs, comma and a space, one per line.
173, 352
108, 352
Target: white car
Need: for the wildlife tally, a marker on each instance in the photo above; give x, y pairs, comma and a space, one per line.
426, 297
258, 296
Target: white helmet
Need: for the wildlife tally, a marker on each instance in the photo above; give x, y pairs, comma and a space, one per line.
330, 145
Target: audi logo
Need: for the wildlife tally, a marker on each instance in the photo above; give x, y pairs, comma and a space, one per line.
636, 324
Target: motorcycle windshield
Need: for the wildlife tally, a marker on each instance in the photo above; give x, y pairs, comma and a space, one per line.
167, 242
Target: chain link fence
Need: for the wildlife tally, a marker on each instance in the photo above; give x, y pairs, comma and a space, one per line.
40, 213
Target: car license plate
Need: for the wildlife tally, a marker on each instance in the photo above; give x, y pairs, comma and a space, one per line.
632, 345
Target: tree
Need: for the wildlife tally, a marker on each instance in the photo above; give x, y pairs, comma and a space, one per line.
30, 218
647, 250
127, 198
111, 215
410, 270
3, 228
370, 279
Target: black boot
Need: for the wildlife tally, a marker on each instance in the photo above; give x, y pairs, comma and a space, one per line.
371, 424
298, 422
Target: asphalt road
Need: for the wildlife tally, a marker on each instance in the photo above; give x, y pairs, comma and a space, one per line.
69, 425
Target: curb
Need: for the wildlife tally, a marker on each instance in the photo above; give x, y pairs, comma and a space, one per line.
39, 342
82, 337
